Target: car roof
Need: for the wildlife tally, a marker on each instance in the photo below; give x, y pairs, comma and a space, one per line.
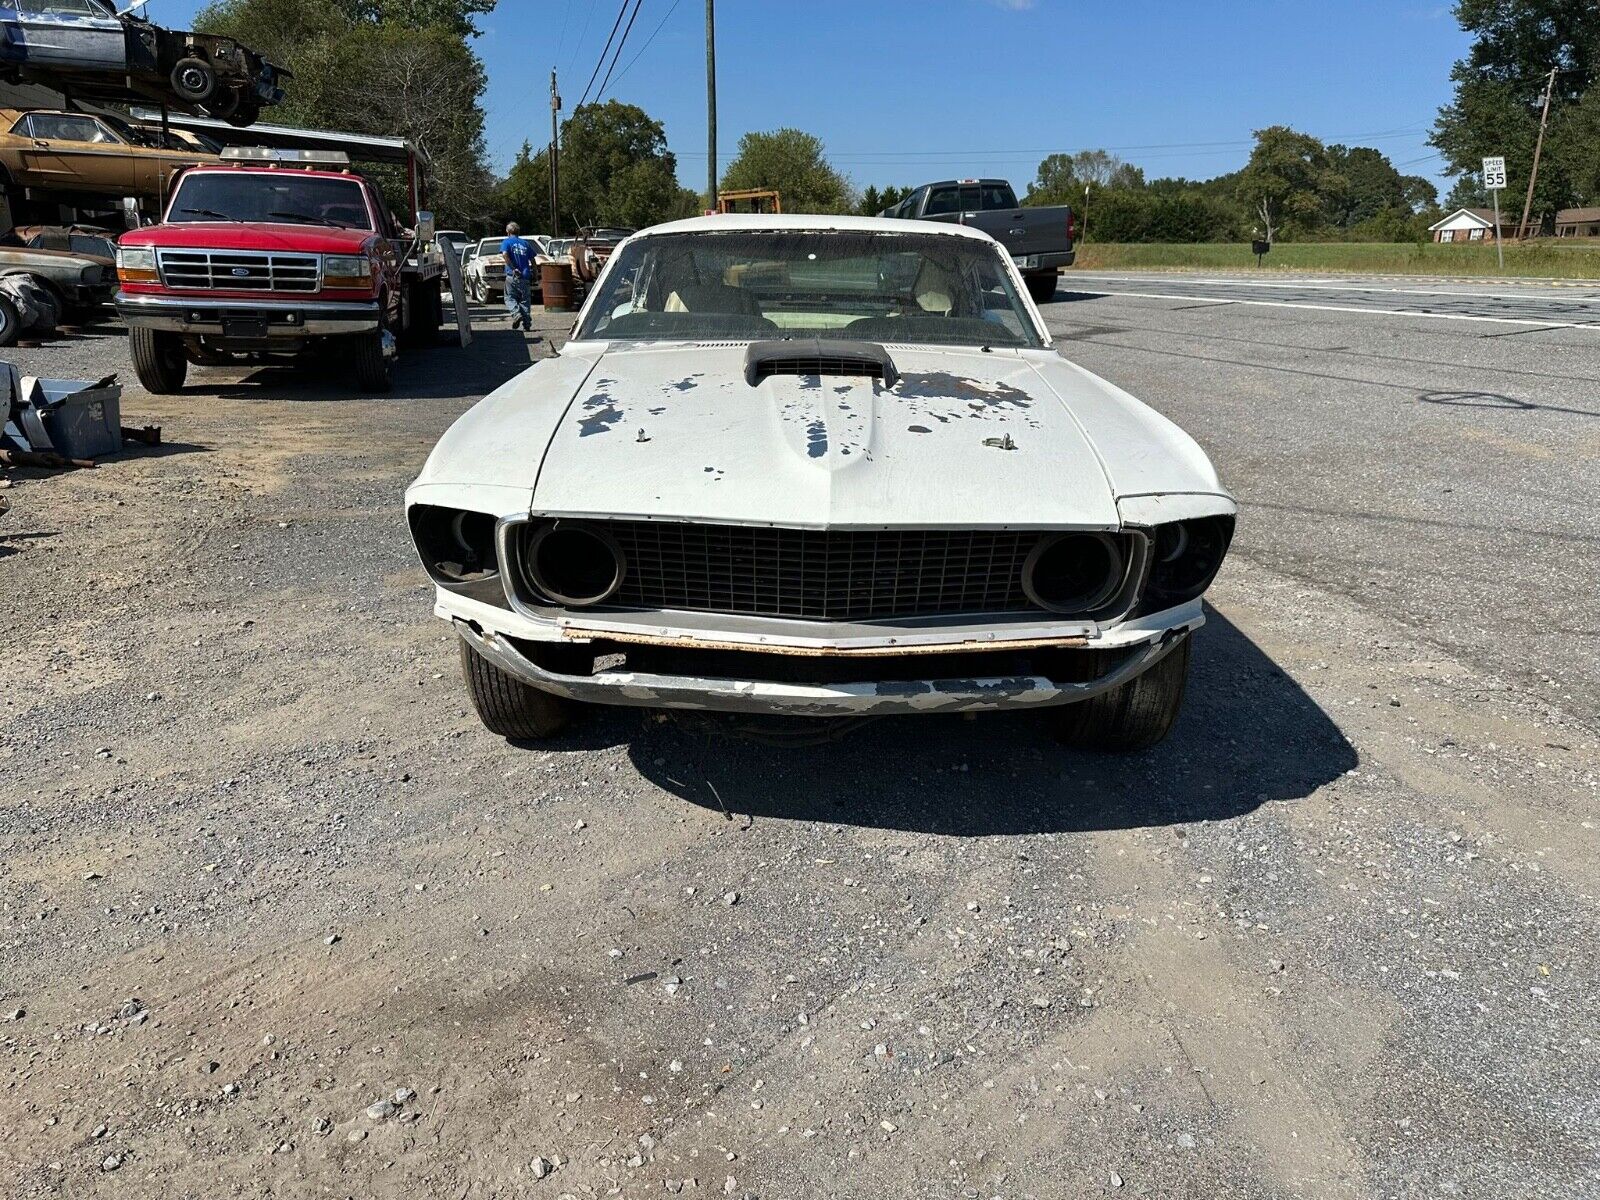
785, 222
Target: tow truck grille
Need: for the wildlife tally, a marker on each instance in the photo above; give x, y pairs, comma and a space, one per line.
240, 271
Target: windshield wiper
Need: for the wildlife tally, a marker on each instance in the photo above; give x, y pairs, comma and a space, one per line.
213, 213
309, 219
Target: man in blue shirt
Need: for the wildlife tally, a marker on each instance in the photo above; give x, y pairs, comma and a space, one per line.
518, 257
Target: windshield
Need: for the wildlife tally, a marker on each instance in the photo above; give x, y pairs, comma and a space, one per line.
278, 196
918, 288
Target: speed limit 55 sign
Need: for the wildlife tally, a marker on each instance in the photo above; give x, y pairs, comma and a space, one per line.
1494, 172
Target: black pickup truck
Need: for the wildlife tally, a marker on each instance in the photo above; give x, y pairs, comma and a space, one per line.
1039, 239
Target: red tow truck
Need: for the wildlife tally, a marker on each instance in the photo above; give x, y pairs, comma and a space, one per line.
275, 252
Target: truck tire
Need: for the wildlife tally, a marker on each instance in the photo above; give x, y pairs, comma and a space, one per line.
368, 362
423, 314
1135, 715
506, 705
193, 80
10, 322
246, 115
1041, 286
158, 359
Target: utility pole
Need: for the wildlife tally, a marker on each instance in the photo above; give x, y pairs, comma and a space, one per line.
1538, 146
711, 105
555, 185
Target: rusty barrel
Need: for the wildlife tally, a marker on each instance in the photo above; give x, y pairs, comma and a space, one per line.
555, 281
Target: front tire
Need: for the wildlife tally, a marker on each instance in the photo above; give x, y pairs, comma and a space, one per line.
1134, 715
158, 359
1042, 286
10, 322
194, 80
368, 361
506, 705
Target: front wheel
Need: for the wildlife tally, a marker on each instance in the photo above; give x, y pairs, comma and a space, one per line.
1134, 715
10, 322
508, 706
1041, 286
194, 80
158, 359
369, 362
480, 291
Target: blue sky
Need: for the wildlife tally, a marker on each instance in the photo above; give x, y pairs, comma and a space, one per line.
903, 91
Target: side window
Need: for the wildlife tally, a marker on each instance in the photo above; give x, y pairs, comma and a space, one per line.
389, 226
24, 127
943, 200
67, 127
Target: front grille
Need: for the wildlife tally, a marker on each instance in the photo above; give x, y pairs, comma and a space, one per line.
240, 271
857, 367
828, 575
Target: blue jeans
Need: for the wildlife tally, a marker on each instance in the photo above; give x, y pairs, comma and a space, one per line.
518, 292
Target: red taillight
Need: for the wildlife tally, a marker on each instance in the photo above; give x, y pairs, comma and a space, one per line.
1072, 226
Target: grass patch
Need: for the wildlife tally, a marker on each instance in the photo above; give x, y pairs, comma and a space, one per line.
1546, 259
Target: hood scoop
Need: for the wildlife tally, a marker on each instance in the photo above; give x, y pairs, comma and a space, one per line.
812, 356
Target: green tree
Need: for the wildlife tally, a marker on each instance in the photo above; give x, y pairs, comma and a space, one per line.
616, 169
793, 163
1290, 172
360, 69
1500, 88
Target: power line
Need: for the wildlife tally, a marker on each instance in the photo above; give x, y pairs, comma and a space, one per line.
566, 16
605, 50
588, 12
648, 40
637, 5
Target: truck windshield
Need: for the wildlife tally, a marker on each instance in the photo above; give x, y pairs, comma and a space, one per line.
924, 289
277, 197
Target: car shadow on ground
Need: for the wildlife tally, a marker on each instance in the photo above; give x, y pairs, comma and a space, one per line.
1248, 736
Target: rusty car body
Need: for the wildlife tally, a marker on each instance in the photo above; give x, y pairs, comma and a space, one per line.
90, 50
823, 466
73, 269
85, 153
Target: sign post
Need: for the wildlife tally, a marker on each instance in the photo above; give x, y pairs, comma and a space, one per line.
1494, 178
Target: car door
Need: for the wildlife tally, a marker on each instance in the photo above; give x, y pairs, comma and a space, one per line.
77, 152
67, 33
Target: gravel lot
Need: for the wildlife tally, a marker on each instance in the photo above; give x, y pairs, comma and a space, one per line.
261, 868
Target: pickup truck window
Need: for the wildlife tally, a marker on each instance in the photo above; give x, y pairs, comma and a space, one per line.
924, 289
945, 200
997, 196
259, 196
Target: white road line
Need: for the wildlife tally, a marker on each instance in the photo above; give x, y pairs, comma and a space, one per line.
1347, 308
1310, 285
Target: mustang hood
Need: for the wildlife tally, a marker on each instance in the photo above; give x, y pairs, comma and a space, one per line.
962, 438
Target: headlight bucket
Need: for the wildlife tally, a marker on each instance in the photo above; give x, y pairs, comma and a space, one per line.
1074, 573
1186, 558
573, 564
456, 545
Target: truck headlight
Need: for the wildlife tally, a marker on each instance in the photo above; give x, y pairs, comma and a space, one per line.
137, 264
346, 271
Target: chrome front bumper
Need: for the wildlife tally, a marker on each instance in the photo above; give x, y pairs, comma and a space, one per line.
936, 694
214, 316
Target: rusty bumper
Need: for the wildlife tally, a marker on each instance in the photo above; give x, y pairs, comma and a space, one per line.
828, 700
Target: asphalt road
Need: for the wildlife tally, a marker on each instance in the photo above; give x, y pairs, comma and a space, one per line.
260, 867
1530, 304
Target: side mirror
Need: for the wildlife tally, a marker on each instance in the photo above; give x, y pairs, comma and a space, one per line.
130, 212
425, 227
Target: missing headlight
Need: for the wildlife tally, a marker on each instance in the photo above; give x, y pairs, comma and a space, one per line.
456, 545
1187, 556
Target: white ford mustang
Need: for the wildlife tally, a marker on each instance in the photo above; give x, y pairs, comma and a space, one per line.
820, 466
